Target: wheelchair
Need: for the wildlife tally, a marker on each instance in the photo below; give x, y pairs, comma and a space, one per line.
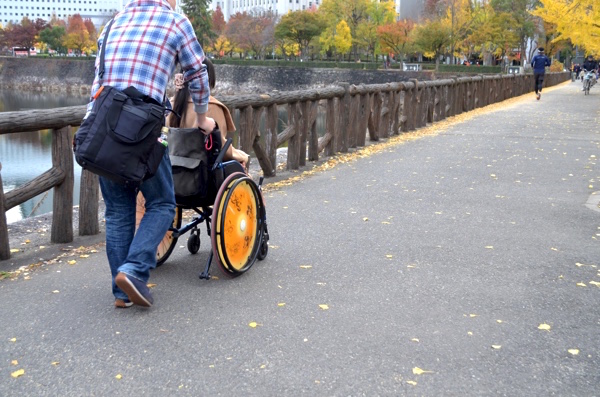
235, 217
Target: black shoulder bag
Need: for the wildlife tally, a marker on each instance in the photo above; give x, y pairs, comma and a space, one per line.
120, 138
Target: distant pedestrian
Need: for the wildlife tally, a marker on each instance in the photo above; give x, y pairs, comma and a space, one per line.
539, 63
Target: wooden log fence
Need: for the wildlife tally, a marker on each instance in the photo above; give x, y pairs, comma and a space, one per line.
351, 112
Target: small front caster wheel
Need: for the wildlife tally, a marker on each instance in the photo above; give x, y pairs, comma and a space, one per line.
193, 243
264, 248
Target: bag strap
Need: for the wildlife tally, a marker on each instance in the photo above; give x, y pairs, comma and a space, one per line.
101, 70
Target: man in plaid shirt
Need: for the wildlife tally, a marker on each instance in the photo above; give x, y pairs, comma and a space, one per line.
145, 41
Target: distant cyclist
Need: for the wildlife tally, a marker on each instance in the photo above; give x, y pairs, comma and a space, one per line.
539, 63
590, 65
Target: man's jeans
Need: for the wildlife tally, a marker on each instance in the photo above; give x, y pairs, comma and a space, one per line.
130, 252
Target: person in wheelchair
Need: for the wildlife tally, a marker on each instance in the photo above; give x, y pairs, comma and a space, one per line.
183, 115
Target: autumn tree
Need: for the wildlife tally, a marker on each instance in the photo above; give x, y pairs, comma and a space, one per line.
78, 38
378, 13
299, 27
352, 12
575, 20
432, 38
237, 32
395, 38
24, 34
199, 15
218, 21
338, 39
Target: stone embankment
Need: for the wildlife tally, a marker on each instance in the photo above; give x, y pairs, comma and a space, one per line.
75, 76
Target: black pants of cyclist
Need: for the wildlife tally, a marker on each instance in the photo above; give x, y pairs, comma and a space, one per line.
538, 79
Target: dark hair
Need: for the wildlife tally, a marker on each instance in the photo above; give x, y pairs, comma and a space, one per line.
180, 104
541, 49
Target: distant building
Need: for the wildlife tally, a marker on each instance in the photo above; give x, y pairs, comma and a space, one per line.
99, 11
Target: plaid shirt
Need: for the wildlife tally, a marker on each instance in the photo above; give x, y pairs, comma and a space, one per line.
144, 42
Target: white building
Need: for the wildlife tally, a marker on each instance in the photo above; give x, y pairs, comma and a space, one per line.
99, 11
404, 8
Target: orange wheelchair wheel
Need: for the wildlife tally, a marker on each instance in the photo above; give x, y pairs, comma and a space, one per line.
236, 228
167, 245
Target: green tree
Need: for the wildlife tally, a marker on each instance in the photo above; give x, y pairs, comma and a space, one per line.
299, 27
53, 37
432, 38
523, 25
199, 15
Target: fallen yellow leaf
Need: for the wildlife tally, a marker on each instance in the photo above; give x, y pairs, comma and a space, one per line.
470, 333
119, 376
13, 339
497, 347
499, 321
544, 327
281, 304
14, 250
365, 219
55, 363
18, 373
581, 285
55, 291
14, 362
324, 307
84, 256
554, 249
389, 256
411, 382
252, 324
150, 285
596, 283
419, 371
415, 339
27, 241
305, 266
473, 315
72, 262
573, 351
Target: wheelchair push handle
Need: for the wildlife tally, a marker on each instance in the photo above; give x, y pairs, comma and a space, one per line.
219, 159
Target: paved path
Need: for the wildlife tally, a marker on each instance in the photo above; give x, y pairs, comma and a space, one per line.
444, 251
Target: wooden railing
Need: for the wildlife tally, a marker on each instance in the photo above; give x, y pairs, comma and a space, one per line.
350, 112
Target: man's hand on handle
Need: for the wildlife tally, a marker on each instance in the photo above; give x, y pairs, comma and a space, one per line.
206, 124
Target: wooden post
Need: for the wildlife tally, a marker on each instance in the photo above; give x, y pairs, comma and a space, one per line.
89, 196
62, 205
4, 246
354, 121
331, 127
293, 161
345, 119
313, 138
374, 132
271, 137
407, 107
304, 124
364, 112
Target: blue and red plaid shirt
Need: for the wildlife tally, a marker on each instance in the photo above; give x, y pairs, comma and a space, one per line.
144, 42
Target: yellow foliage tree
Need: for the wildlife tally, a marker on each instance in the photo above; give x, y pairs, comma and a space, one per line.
575, 20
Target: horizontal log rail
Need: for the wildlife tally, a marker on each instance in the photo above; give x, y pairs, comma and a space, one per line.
352, 112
